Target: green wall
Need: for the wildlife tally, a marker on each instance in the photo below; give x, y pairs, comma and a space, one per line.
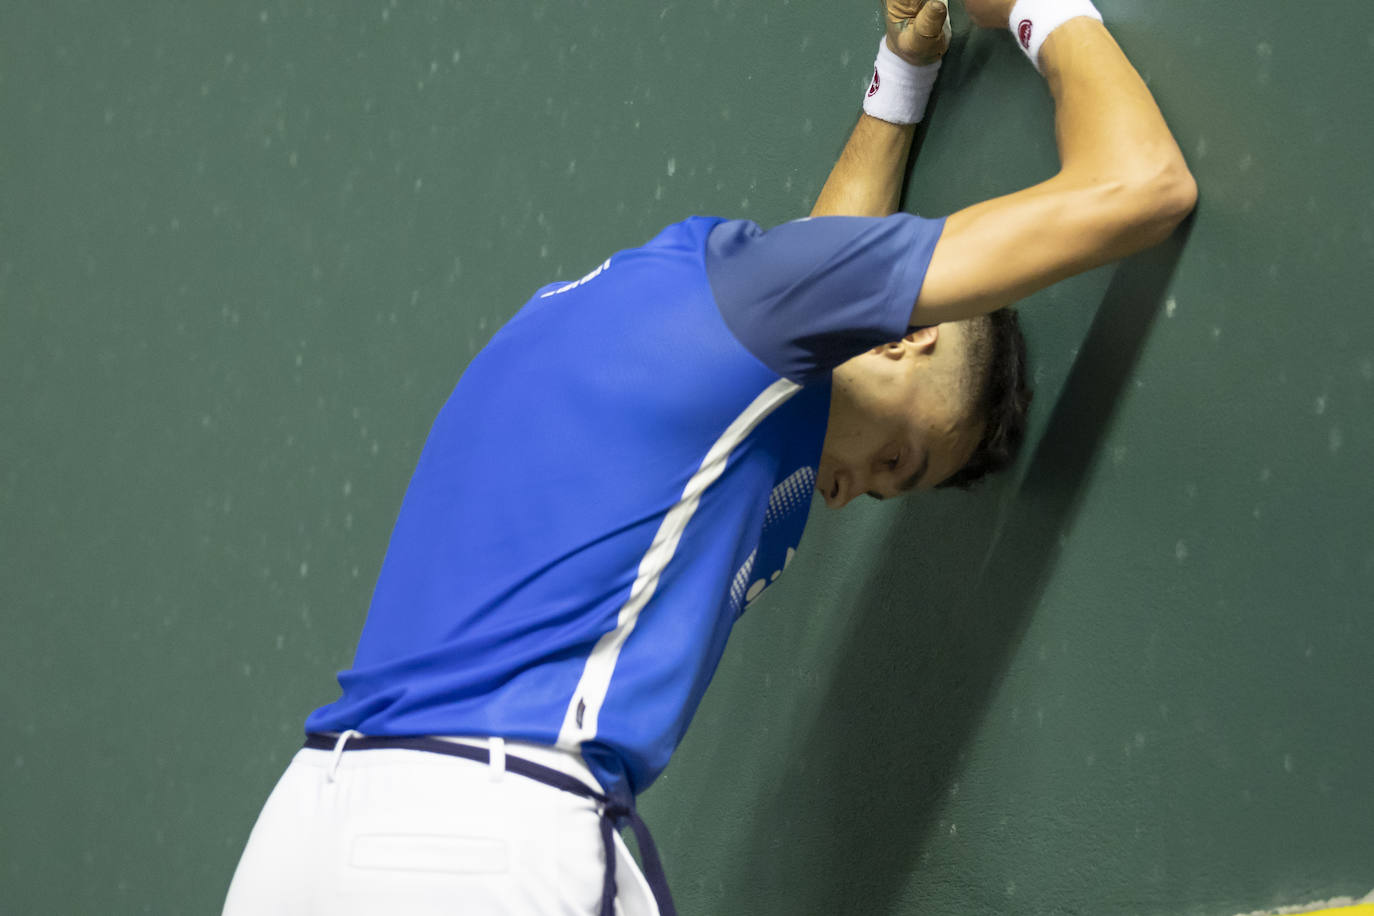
246, 250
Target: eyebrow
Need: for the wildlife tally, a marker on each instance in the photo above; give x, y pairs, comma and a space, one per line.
910, 483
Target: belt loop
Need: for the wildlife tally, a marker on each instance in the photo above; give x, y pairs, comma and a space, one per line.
338, 752
496, 747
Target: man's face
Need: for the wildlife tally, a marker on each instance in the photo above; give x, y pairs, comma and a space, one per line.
897, 420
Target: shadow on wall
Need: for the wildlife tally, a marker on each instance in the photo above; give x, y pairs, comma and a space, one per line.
912, 682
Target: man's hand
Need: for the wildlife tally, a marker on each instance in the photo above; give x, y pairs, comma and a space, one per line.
918, 30
990, 14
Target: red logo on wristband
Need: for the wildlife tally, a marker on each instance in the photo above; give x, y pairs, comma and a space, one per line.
873, 86
1023, 32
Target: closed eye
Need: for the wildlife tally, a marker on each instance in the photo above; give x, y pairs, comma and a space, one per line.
906, 485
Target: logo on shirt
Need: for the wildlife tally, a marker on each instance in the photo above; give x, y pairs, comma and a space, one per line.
576, 283
1023, 32
784, 519
873, 86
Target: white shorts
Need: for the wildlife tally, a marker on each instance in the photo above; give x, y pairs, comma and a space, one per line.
412, 832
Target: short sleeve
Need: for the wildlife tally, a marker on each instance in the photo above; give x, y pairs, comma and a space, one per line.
808, 295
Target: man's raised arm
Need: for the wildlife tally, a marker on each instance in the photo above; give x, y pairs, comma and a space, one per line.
1122, 185
867, 179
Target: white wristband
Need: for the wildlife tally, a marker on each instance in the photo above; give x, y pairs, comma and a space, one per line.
1032, 21
898, 91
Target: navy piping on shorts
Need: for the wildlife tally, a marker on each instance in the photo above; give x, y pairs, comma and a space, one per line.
616, 811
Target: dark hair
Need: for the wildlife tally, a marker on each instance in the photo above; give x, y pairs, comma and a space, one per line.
998, 388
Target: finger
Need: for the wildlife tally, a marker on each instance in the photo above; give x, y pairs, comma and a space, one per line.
903, 9
931, 20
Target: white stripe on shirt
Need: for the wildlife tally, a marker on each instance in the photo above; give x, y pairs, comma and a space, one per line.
596, 676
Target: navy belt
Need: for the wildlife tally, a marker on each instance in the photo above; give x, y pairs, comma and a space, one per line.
616, 810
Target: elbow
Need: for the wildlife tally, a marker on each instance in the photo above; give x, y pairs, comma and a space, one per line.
1140, 207
1176, 190
1163, 197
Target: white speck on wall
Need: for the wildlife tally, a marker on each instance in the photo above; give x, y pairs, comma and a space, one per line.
1216, 333
953, 829
1319, 405
1180, 551
1288, 763
348, 488
1335, 439
572, 167
844, 58
1170, 306
262, 17
1139, 739
543, 251
1246, 162
658, 192
304, 569
672, 167
456, 56
281, 641
1265, 475
1264, 49
1200, 149
247, 669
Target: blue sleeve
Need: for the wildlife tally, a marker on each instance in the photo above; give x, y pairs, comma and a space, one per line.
808, 295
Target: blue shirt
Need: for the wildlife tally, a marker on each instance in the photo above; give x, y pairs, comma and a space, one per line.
619, 473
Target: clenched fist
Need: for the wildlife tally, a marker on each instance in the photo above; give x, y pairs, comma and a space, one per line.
917, 30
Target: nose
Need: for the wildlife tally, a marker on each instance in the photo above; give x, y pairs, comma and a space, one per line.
843, 489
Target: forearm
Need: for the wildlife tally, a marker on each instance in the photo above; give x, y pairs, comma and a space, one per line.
867, 178
1107, 124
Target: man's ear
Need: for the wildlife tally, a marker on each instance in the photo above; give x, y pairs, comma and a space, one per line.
923, 338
